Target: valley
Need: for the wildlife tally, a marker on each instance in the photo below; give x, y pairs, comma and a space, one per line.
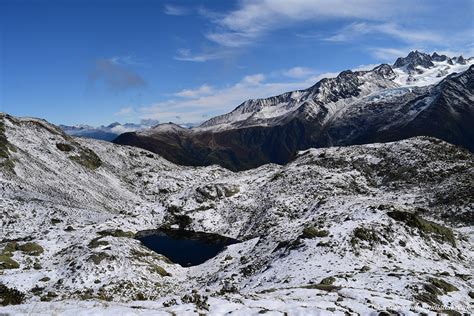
361, 229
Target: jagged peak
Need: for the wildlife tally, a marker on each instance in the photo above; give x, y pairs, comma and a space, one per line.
414, 59
385, 71
460, 60
437, 57
345, 73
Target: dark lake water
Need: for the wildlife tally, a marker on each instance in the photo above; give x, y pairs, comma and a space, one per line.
187, 248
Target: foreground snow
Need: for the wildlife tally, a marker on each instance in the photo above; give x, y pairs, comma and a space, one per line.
282, 302
364, 261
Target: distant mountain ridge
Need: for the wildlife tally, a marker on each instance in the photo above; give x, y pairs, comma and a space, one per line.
419, 95
106, 132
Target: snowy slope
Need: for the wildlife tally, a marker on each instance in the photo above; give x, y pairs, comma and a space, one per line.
346, 87
417, 69
69, 195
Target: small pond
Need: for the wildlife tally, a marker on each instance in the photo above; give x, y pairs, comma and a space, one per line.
185, 247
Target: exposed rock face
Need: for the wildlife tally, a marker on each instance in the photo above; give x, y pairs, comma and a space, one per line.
443, 111
413, 60
353, 108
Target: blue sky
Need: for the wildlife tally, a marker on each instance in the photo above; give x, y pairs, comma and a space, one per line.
95, 62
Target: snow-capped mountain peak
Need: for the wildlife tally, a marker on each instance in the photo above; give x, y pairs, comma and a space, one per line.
420, 69
413, 60
325, 93
332, 94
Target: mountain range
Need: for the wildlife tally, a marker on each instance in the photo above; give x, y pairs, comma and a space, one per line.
419, 95
106, 132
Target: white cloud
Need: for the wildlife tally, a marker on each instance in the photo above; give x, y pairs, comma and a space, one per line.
365, 67
222, 100
468, 52
187, 55
127, 111
299, 72
120, 129
193, 93
356, 30
127, 60
228, 39
175, 10
252, 80
254, 18
389, 54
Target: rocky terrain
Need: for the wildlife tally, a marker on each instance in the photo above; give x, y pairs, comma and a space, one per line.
384, 227
419, 95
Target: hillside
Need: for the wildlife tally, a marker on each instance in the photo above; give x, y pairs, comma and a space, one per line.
357, 229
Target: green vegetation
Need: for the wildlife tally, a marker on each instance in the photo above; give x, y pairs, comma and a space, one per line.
37, 266
88, 159
433, 289
429, 298
117, 233
9, 296
64, 147
328, 281
322, 287
141, 254
5, 146
31, 248
97, 258
140, 297
430, 288
6, 262
443, 285
424, 226
196, 299
277, 176
365, 234
231, 191
48, 297
96, 242
160, 270
10, 248
312, 232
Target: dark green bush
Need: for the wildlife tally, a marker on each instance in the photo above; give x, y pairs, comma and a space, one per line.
9, 296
